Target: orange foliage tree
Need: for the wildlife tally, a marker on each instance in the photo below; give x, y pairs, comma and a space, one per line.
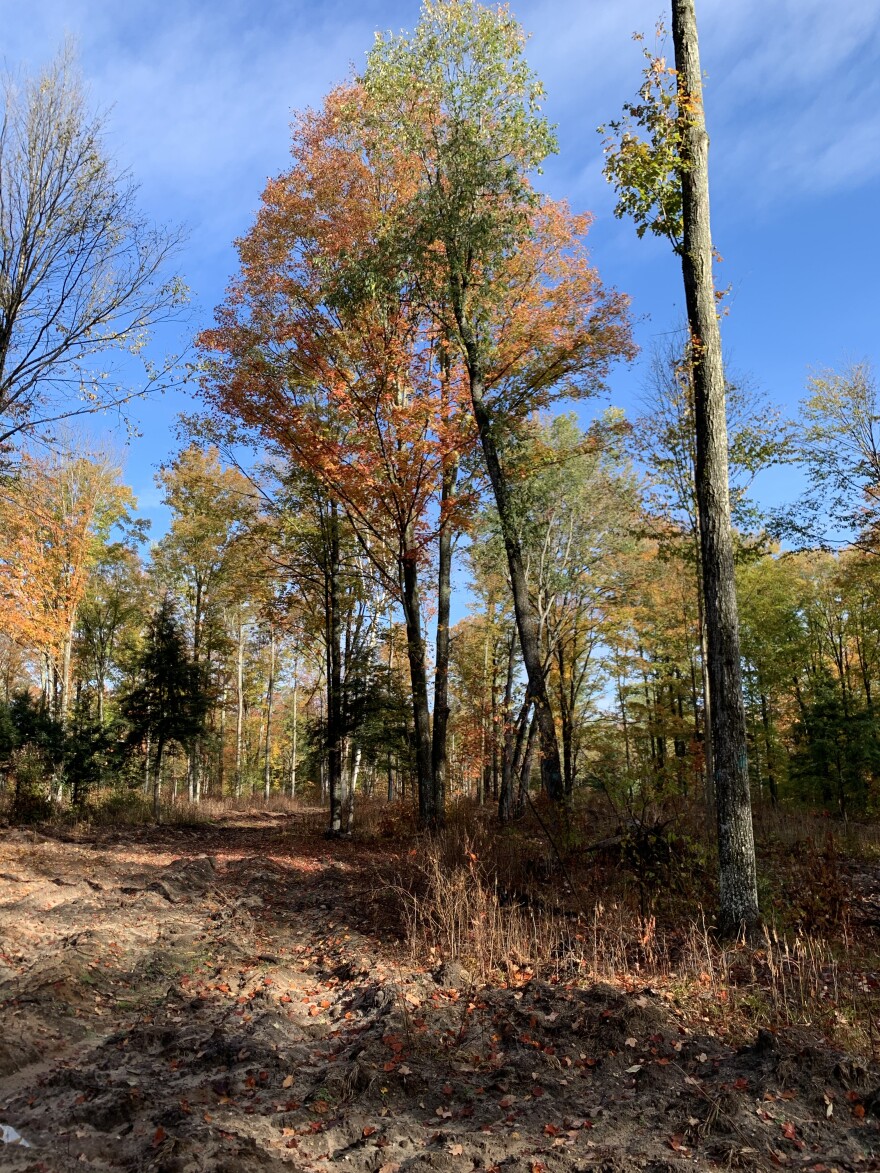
54, 516
341, 368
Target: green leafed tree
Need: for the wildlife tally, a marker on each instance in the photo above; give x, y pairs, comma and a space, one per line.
657, 156
169, 700
458, 97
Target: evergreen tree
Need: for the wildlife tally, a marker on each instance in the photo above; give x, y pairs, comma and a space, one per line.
170, 701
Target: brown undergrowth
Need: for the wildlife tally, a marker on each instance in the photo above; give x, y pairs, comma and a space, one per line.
633, 909
241, 994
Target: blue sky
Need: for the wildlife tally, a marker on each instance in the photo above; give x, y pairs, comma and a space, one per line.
199, 97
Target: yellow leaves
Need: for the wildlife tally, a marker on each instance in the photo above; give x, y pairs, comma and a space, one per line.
49, 518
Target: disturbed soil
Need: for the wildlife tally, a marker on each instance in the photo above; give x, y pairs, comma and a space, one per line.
235, 997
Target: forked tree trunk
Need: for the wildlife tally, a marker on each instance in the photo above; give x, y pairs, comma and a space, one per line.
736, 850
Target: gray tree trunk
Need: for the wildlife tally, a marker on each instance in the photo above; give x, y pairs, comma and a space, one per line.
267, 748
239, 711
524, 609
415, 646
736, 850
439, 732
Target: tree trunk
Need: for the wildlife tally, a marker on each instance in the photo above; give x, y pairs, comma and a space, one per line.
736, 850
293, 737
441, 667
239, 714
352, 787
157, 780
270, 689
526, 616
334, 673
525, 775
415, 646
66, 664
221, 748
771, 776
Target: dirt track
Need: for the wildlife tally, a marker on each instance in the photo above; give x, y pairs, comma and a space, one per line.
220, 999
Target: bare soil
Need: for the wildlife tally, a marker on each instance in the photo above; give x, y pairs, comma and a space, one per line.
235, 997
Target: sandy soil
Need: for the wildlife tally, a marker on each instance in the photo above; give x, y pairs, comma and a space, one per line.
233, 999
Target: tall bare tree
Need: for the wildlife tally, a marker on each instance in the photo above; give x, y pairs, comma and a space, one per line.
81, 273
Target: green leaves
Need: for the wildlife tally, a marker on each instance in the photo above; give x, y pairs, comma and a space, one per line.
642, 153
459, 97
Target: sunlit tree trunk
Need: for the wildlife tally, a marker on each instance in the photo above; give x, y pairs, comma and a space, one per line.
527, 621
415, 646
239, 712
270, 689
738, 887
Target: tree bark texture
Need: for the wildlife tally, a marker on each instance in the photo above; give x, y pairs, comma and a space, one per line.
738, 888
441, 667
334, 671
415, 646
526, 617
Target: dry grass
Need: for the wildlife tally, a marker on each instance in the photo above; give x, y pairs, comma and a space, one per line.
456, 908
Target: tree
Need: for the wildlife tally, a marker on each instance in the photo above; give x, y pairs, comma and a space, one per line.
56, 515
208, 555
839, 446
81, 273
651, 177
112, 604
505, 272
664, 440
736, 848
347, 376
169, 700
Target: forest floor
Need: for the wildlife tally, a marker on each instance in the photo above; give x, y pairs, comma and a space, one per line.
237, 997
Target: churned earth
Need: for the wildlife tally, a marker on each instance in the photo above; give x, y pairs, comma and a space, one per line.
235, 997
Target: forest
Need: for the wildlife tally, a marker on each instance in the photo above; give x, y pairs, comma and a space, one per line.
455, 708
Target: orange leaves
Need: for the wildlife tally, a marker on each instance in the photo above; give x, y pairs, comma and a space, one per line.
322, 344
50, 518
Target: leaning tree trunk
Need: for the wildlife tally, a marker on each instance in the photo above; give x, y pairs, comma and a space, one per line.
736, 850
526, 616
